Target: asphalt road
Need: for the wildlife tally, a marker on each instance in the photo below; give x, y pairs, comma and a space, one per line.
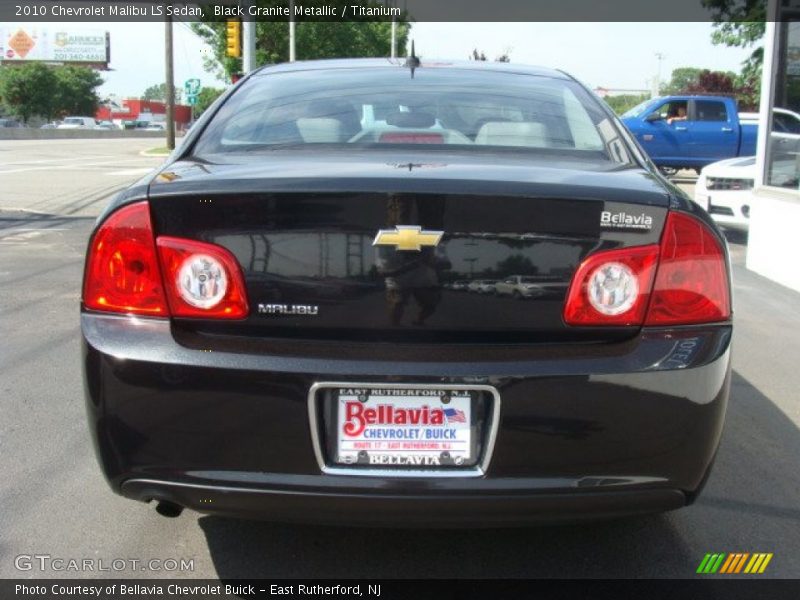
55, 502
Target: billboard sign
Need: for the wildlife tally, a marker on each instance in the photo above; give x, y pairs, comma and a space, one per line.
59, 45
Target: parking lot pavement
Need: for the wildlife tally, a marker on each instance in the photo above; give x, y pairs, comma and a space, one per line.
55, 501
70, 177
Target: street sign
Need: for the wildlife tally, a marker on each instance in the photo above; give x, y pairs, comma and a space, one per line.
191, 100
192, 87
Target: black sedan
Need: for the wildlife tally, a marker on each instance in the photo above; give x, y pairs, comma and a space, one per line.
269, 329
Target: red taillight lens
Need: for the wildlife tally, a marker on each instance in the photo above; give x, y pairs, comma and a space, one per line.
612, 287
202, 280
125, 265
680, 282
122, 273
692, 281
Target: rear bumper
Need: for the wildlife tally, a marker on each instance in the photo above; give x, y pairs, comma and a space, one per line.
375, 509
584, 432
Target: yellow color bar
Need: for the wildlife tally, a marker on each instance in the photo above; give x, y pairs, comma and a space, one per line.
765, 563
758, 563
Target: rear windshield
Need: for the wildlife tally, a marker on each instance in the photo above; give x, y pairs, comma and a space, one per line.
439, 108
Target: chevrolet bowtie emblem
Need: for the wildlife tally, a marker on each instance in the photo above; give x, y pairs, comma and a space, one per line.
407, 237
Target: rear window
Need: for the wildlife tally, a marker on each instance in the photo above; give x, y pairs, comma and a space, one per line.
708, 110
438, 108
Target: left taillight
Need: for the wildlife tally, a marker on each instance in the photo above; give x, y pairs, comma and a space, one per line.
122, 271
202, 280
129, 271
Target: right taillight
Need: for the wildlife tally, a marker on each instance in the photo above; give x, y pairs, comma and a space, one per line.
681, 281
691, 284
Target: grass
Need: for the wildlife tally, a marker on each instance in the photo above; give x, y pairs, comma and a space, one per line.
157, 151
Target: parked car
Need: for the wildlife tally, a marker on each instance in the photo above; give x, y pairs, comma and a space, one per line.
51, 125
10, 123
78, 123
518, 286
459, 285
211, 385
690, 132
724, 188
481, 286
110, 125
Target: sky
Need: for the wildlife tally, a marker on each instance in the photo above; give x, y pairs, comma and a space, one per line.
609, 55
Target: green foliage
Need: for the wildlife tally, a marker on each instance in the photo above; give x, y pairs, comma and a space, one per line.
741, 24
38, 89
691, 80
3, 109
314, 39
624, 102
75, 90
680, 80
158, 93
27, 90
205, 98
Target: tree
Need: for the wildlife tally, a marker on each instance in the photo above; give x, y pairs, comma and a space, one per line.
621, 103
517, 264
680, 80
504, 57
314, 39
712, 82
158, 93
3, 108
27, 90
739, 23
75, 91
691, 80
205, 98
742, 24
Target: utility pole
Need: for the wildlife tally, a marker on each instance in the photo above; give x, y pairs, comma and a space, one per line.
394, 37
292, 56
393, 50
657, 80
170, 83
248, 43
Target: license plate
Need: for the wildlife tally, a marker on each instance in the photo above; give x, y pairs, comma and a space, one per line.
420, 428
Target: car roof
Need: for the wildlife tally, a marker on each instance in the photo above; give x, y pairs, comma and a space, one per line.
374, 63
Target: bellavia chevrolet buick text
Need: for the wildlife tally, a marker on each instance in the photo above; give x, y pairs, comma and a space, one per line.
269, 328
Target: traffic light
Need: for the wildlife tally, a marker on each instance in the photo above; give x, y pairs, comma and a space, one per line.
233, 35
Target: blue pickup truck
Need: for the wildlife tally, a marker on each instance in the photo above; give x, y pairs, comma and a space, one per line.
680, 132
